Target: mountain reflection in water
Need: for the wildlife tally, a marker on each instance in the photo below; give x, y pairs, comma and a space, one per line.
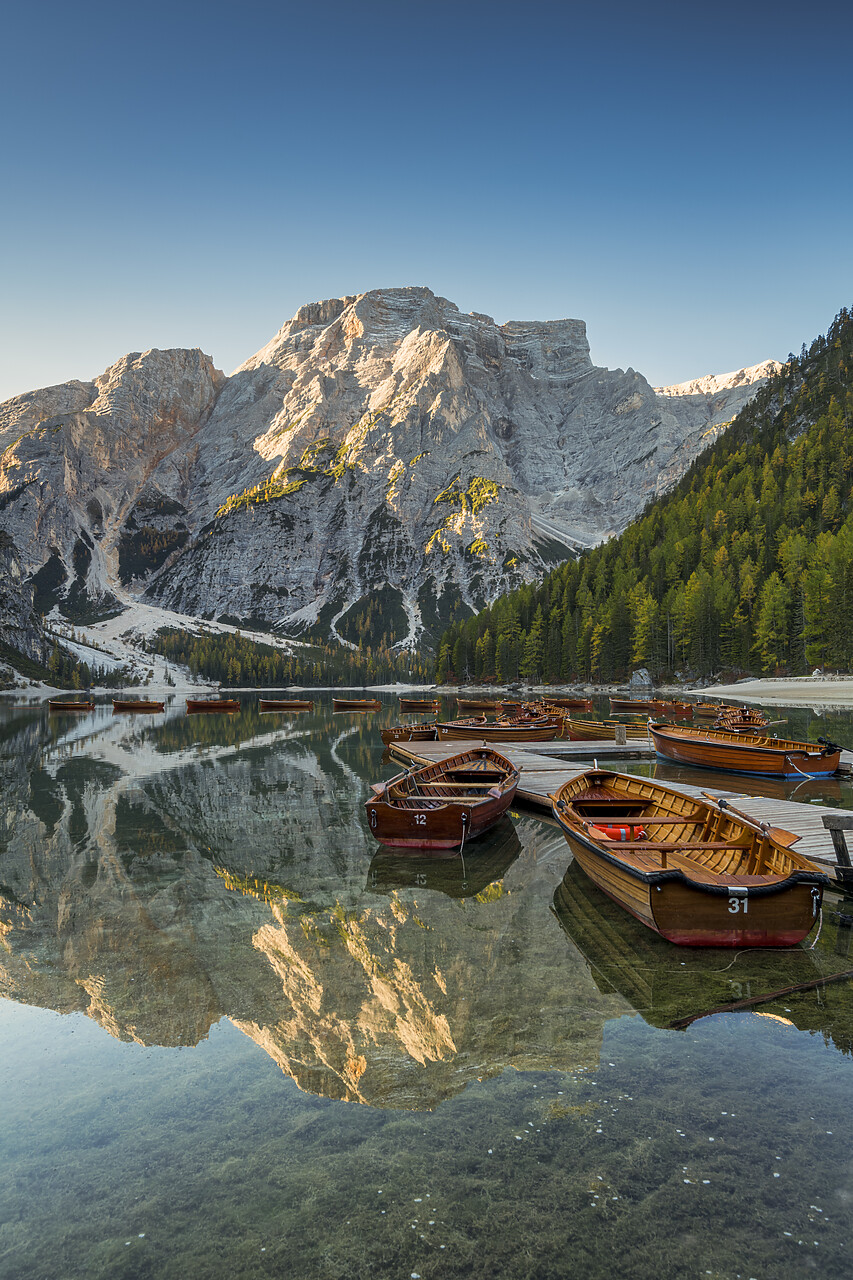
158, 881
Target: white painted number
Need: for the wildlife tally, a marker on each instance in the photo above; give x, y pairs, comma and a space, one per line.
420, 819
738, 904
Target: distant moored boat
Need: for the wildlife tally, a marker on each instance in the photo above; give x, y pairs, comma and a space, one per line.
285, 704
476, 704
212, 704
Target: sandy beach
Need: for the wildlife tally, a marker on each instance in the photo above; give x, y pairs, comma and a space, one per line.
798, 691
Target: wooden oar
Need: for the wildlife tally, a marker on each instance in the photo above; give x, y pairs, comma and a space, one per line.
779, 834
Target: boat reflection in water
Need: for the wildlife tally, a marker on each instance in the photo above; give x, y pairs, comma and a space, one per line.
814, 790
447, 872
667, 986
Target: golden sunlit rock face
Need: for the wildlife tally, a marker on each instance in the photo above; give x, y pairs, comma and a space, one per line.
158, 904
380, 441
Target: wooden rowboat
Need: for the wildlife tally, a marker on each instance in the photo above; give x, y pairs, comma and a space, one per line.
420, 704
694, 872
595, 730
744, 753
409, 733
444, 804
476, 704
664, 707
58, 704
285, 704
495, 731
137, 704
707, 710
532, 716
632, 704
211, 704
356, 704
572, 704
741, 720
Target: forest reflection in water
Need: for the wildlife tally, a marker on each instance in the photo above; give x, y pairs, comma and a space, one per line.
175, 879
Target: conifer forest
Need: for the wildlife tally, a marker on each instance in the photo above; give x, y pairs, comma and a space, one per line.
745, 567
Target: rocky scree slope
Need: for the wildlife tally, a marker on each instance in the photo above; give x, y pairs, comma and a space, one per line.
383, 462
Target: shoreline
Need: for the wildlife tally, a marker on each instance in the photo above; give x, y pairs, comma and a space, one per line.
796, 691
790, 691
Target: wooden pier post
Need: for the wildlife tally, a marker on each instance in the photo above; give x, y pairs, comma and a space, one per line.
836, 825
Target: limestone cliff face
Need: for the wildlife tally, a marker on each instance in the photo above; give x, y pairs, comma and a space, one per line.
76, 463
20, 628
383, 449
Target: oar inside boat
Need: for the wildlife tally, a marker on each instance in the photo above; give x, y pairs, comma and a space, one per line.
779, 834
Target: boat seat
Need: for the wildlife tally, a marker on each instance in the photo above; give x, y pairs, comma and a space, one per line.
418, 802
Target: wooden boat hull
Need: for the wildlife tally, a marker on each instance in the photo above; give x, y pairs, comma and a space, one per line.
409, 733
572, 704
432, 808
707, 710
688, 917
477, 704
285, 704
459, 731
138, 705
632, 704
598, 730
356, 704
740, 753
680, 710
195, 705
58, 705
668, 890
741, 724
420, 704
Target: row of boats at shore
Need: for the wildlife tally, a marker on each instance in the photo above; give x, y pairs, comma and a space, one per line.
697, 871
738, 741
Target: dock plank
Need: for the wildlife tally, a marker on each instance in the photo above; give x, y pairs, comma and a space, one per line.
542, 774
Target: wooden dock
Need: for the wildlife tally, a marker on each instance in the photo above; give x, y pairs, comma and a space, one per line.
546, 766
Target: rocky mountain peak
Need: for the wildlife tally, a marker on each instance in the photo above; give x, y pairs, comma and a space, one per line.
715, 383
383, 462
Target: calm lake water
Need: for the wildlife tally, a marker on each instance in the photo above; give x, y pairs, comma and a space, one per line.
239, 1039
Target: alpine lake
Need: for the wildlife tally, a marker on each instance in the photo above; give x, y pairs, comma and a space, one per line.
238, 1038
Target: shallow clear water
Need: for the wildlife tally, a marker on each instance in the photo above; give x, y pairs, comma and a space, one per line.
240, 1039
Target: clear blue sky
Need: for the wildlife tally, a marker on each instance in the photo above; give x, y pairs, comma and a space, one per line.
189, 174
